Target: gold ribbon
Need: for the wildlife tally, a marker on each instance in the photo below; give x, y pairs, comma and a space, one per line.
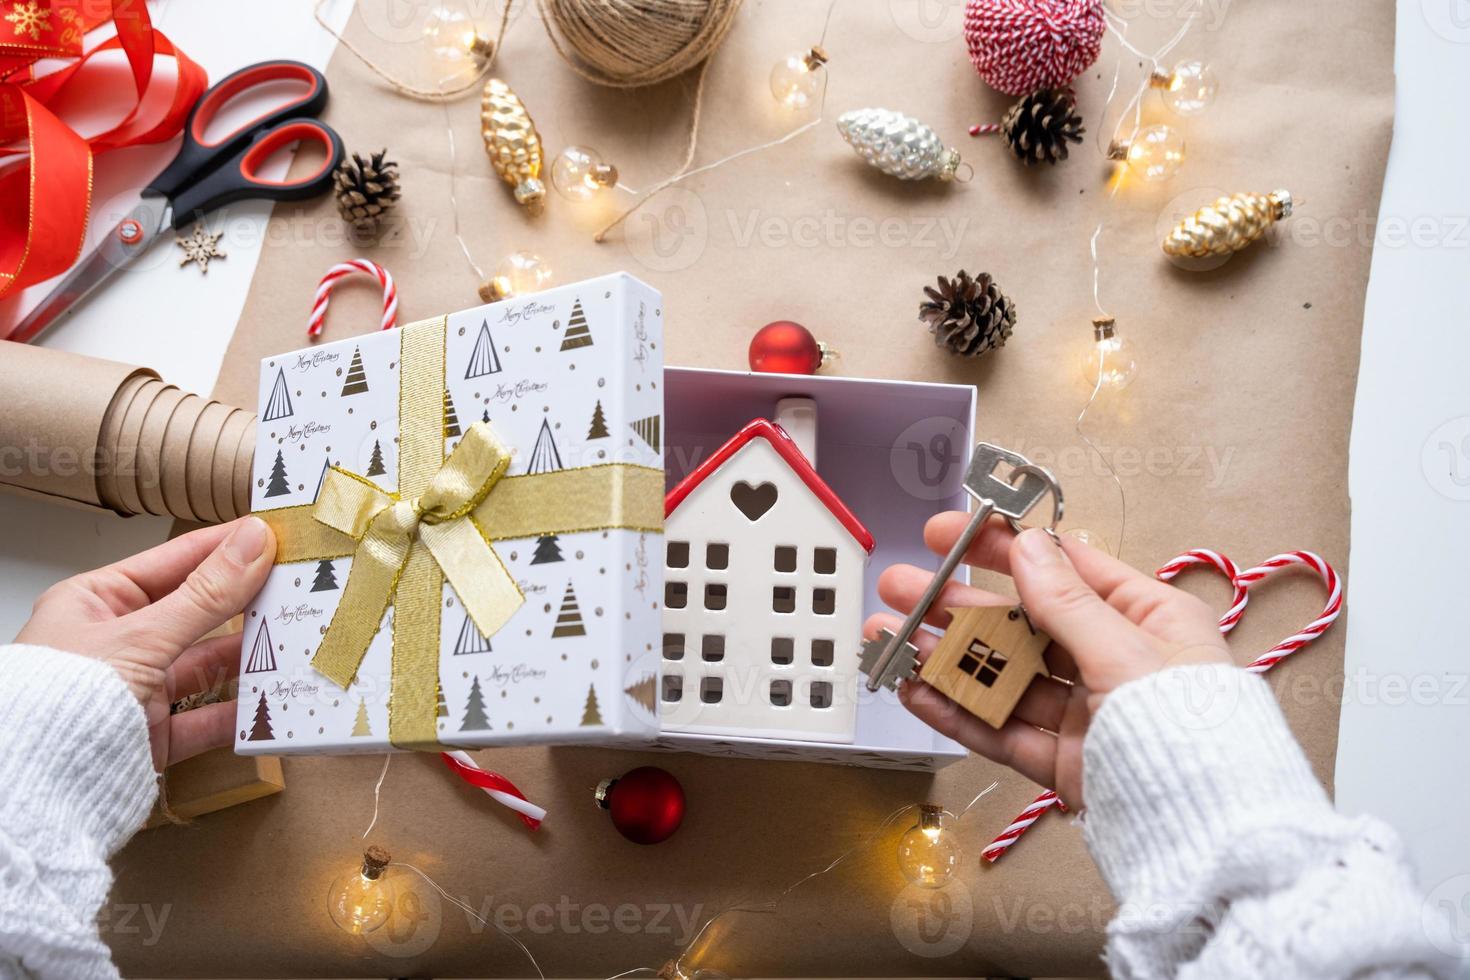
440, 524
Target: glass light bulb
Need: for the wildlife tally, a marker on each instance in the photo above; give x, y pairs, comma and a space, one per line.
457, 49
579, 173
929, 852
796, 80
1154, 153
518, 273
1111, 355
358, 903
1190, 88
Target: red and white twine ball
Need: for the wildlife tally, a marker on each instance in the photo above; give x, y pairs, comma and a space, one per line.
340, 271
1241, 582
1019, 46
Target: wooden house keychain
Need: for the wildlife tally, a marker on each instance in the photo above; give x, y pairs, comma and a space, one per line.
990, 654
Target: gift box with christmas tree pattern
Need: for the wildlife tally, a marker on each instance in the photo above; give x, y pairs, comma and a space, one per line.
468, 514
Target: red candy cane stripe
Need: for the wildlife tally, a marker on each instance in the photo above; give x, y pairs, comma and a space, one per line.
1018, 826
496, 786
1242, 582
329, 281
1228, 568
1312, 630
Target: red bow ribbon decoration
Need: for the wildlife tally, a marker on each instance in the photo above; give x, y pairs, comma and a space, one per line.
45, 199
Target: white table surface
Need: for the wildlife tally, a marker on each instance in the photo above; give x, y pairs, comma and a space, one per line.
1407, 713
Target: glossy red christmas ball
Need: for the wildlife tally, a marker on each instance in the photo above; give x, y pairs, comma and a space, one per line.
646, 804
785, 347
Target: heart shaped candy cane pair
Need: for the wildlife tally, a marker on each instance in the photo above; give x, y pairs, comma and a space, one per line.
1241, 582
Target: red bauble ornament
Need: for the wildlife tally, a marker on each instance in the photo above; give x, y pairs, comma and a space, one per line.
646, 804
786, 347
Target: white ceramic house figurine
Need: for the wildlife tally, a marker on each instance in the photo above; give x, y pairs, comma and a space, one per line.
763, 590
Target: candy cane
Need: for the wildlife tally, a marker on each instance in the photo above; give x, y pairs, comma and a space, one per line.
1018, 826
1222, 564
1241, 582
1312, 630
496, 786
329, 281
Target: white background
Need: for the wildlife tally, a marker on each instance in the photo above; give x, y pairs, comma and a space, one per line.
1406, 718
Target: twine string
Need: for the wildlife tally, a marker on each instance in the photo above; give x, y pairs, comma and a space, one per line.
633, 43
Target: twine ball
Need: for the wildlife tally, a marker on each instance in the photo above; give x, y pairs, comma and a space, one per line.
631, 43
1019, 46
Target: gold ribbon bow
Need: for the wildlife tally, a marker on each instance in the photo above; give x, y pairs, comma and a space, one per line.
385, 527
440, 525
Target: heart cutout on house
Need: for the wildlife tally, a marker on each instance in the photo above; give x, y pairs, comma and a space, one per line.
753, 501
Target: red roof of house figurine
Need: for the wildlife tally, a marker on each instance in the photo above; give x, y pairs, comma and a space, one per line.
787, 449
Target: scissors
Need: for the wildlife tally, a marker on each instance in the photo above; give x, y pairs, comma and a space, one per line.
207, 175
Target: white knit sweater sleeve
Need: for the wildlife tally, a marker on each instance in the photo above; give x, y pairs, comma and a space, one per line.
1225, 856
76, 781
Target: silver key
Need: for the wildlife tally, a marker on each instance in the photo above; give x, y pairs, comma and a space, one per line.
888, 657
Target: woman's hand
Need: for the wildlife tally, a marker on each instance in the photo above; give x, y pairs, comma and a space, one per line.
145, 615
1109, 623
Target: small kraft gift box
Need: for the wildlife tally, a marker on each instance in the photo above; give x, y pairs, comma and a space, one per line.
468, 514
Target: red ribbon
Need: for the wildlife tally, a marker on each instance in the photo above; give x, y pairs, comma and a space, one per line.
46, 199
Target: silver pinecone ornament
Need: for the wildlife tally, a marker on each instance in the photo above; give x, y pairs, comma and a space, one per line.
897, 144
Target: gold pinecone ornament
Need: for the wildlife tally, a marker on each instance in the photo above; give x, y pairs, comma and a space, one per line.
1038, 128
1228, 225
366, 190
513, 143
968, 316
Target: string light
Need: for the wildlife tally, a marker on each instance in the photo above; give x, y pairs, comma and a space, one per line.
929, 852
687, 169
518, 273
1109, 361
579, 173
1189, 89
796, 79
358, 900
361, 900
1154, 152
464, 46
458, 51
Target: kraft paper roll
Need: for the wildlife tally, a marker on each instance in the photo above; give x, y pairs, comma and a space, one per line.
199, 463
56, 405
94, 433
108, 490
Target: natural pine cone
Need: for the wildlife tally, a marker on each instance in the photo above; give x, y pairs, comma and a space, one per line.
366, 190
1039, 127
968, 316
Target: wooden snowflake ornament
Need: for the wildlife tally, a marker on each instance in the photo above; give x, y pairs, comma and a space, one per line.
200, 247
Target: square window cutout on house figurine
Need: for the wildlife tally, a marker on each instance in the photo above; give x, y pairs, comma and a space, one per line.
764, 588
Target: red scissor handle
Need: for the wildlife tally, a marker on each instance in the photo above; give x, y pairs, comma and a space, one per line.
197, 158
312, 101
239, 178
